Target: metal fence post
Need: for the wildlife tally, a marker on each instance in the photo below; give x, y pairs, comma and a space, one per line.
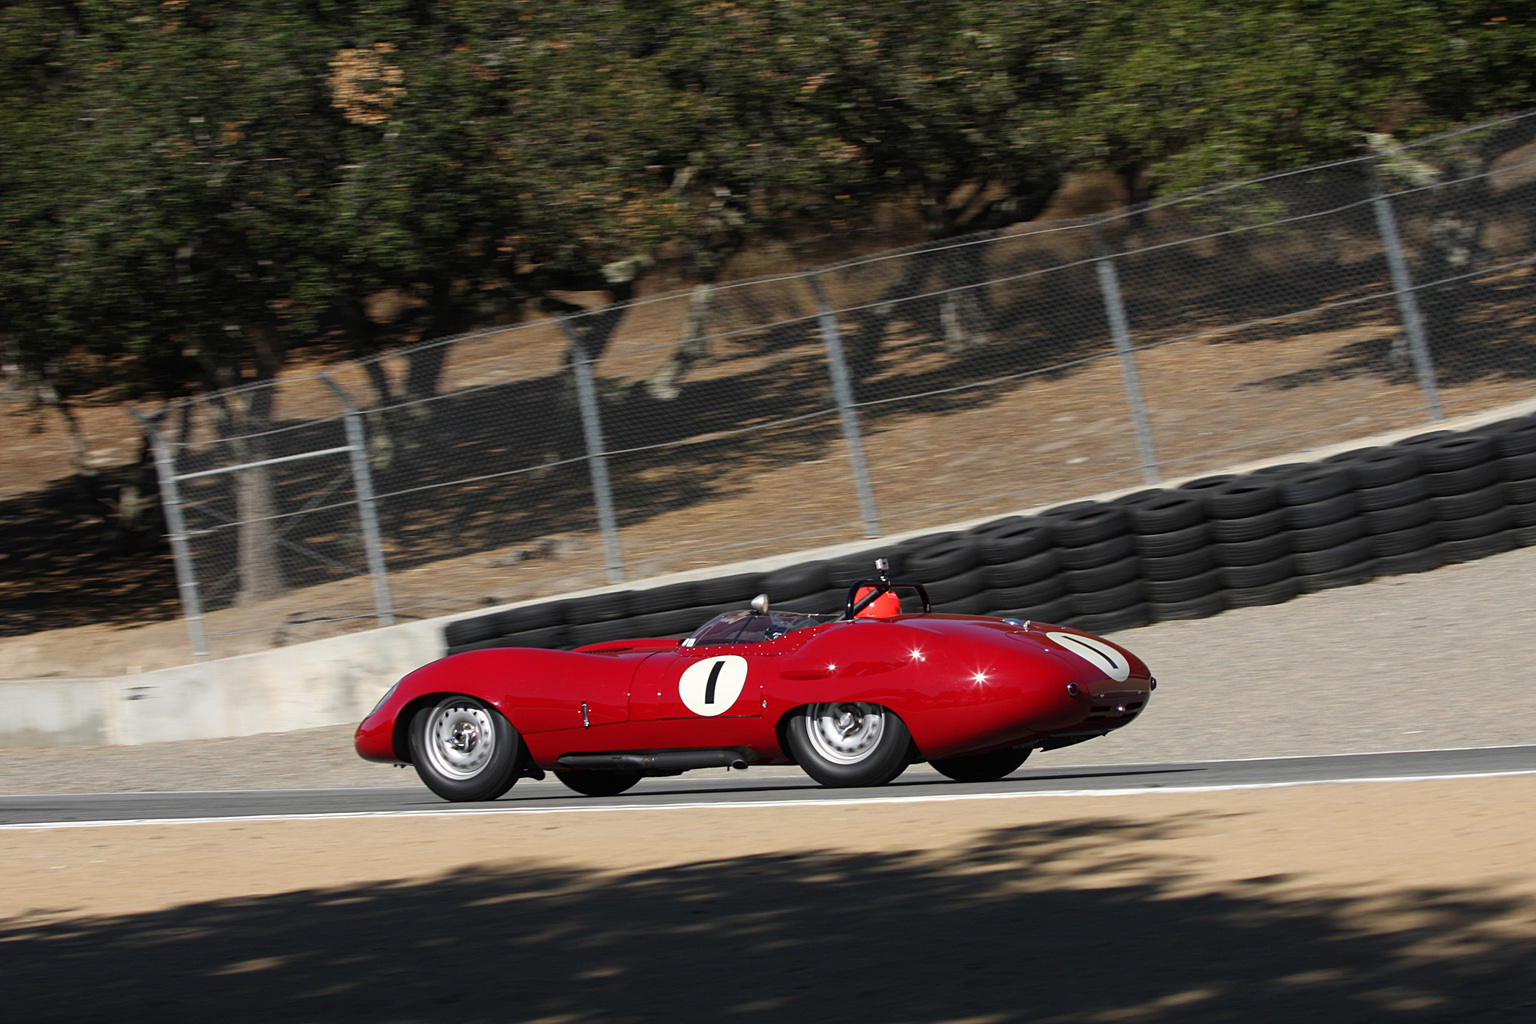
176, 528
597, 462
1402, 287
367, 508
1120, 329
842, 391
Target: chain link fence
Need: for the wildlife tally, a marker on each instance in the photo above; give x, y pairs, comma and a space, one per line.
909, 390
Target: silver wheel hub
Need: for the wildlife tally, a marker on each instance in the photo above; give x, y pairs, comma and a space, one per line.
845, 733
461, 739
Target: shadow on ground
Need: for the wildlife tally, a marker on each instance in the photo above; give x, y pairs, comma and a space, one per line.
1046, 923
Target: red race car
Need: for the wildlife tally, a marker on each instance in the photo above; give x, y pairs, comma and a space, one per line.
851, 698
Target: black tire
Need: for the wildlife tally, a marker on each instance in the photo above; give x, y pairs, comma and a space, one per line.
1282, 471
1321, 513
740, 588
939, 558
548, 637
1102, 577
848, 743
1316, 538
1130, 617
1378, 467
1399, 492
1403, 542
1343, 576
1455, 451
1390, 520
1515, 437
842, 572
1086, 556
464, 749
1523, 514
585, 633
1178, 567
956, 588
1010, 539
1472, 549
1023, 571
1460, 481
1110, 599
598, 783
1200, 607
1247, 528
1318, 483
1269, 593
1085, 522
1252, 552
1422, 560
599, 607
657, 600
677, 622
1242, 498
1472, 503
987, 767
1476, 526
971, 604
1206, 484
1311, 563
833, 599
1054, 612
1165, 512
797, 581
1027, 595
1248, 577
1174, 542
1520, 492
1518, 467
1525, 536
1178, 591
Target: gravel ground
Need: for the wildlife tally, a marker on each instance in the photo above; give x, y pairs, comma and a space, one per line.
1435, 659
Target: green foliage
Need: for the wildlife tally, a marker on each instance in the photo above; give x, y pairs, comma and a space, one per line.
213, 180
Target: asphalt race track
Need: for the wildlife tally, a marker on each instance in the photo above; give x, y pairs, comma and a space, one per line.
763, 787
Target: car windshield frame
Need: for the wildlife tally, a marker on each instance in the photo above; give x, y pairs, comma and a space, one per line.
749, 627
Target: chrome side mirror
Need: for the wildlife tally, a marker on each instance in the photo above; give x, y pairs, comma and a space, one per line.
760, 604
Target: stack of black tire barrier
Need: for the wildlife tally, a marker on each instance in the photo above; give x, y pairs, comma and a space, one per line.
1172, 538
1157, 555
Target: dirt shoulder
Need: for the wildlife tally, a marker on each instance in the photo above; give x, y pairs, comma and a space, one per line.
1407, 901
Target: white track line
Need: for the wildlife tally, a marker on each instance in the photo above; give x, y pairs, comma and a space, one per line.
449, 811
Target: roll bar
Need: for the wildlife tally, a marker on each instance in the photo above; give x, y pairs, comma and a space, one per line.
883, 584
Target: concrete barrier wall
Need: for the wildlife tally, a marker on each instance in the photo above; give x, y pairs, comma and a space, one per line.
336, 681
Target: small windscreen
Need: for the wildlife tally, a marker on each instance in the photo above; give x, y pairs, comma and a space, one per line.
748, 627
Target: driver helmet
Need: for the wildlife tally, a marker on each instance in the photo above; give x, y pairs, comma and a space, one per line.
882, 607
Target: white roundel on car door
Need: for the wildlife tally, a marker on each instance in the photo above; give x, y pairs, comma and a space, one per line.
1096, 653
709, 687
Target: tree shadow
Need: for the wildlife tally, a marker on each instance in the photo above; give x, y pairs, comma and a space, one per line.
1041, 923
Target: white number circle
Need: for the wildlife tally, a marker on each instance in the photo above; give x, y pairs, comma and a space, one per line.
709, 687
1096, 653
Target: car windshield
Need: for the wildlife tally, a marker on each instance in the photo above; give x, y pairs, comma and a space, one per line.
748, 627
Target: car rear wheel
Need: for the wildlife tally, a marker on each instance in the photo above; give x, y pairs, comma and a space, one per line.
848, 743
980, 767
464, 749
598, 783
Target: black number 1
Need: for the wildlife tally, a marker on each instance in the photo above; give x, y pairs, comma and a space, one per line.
709, 687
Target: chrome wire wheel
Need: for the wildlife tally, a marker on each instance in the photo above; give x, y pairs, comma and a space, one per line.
845, 733
460, 739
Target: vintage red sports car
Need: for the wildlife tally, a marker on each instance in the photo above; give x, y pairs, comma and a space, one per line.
851, 698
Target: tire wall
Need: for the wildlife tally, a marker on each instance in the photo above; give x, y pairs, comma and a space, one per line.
1156, 555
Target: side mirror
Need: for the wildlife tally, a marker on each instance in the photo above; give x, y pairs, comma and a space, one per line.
760, 604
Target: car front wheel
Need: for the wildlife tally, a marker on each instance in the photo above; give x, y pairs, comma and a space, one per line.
981, 767
464, 749
848, 743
